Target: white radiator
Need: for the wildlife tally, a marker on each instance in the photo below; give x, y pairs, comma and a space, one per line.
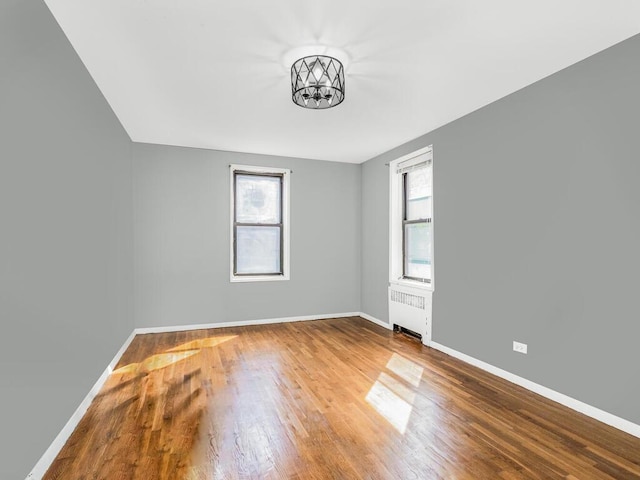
410, 308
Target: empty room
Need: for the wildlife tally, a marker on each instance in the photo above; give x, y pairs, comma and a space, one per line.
337, 240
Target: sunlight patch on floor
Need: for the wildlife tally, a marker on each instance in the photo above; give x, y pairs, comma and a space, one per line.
393, 408
393, 394
405, 369
398, 387
155, 362
203, 343
173, 355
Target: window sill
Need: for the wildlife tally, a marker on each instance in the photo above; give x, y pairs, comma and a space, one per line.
413, 284
258, 278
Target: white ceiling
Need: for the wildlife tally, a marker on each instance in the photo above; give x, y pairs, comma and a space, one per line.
215, 74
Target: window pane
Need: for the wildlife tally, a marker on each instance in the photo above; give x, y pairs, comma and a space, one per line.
417, 250
258, 250
418, 194
257, 199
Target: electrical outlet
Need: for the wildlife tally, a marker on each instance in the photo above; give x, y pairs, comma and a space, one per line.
519, 347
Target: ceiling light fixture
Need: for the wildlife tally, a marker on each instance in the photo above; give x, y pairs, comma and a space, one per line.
317, 82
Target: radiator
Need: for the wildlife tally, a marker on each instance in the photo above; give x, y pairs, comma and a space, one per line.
410, 308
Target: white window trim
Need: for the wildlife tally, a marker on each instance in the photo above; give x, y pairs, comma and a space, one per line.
395, 219
286, 173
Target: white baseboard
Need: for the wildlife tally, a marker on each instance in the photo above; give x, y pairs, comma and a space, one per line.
52, 452
591, 411
243, 323
375, 320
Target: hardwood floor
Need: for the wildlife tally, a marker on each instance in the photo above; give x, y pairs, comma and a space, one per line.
327, 399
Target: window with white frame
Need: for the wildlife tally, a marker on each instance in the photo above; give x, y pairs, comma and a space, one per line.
259, 223
411, 214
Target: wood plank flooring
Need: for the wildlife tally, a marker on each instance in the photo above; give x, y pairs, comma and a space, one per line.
327, 399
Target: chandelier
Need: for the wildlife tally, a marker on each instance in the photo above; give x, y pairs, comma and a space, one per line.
317, 82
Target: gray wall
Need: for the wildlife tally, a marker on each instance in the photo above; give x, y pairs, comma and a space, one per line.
537, 227
181, 239
65, 233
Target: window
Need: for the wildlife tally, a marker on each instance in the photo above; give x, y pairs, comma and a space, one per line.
411, 229
416, 195
259, 223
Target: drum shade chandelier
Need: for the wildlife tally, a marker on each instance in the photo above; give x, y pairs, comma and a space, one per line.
317, 82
